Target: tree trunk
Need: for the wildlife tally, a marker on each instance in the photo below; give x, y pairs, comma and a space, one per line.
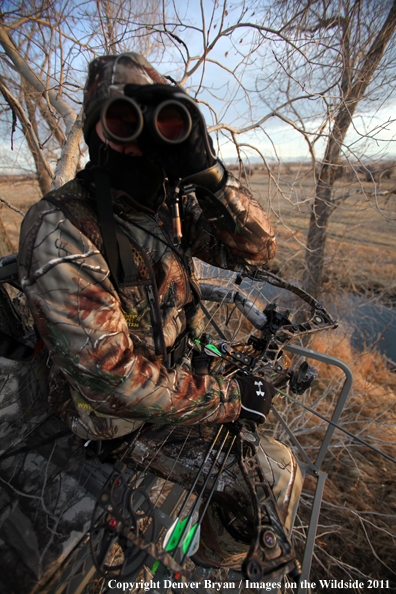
321, 210
322, 205
31, 98
68, 163
44, 180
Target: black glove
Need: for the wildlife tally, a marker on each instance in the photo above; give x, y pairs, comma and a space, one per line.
202, 358
200, 362
188, 158
256, 397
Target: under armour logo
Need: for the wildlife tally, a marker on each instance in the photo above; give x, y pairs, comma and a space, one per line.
259, 392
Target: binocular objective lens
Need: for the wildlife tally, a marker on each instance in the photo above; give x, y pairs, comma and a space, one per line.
122, 120
171, 123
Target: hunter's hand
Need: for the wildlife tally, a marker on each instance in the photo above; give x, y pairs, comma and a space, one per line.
256, 397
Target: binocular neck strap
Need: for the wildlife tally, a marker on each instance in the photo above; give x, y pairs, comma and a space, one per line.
106, 220
117, 248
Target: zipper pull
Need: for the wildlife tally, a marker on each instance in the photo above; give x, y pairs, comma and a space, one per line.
158, 220
150, 293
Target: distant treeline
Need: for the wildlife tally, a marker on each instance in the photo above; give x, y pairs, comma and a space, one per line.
369, 171
11, 178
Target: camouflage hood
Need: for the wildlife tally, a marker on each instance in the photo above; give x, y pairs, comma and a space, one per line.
107, 76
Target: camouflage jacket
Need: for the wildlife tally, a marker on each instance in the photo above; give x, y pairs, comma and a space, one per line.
107, 375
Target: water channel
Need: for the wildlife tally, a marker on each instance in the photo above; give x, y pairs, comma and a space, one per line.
371, 322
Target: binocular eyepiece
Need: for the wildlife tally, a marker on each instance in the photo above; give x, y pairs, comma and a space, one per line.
123, 120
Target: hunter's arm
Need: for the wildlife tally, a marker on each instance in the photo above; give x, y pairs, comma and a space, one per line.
79, 316
229, 228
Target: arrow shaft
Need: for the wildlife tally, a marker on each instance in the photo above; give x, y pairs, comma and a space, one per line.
187, 527
201, 469
197, 502
215, 483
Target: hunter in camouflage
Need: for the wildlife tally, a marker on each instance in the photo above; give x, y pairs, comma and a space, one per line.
102, 340
111, 343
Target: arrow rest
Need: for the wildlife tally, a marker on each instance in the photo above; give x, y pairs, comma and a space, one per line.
302, 378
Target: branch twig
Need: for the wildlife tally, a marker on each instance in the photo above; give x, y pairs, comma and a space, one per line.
12, 207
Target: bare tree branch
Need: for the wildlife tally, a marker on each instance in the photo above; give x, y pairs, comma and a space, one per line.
15, 105
60, 105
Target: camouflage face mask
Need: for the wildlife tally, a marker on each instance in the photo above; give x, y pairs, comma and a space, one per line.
140, 177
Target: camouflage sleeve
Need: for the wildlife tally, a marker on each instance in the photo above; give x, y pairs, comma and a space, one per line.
78, 314
229, 229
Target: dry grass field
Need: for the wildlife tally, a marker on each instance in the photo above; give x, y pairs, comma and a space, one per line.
357, 532
361, 245
356, 535
21, 194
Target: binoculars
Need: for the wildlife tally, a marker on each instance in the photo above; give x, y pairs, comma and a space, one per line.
123, 120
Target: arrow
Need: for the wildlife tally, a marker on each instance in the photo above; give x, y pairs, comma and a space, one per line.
197, 502
214, 484
213, 351
181, 530
210, 349
181, 537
